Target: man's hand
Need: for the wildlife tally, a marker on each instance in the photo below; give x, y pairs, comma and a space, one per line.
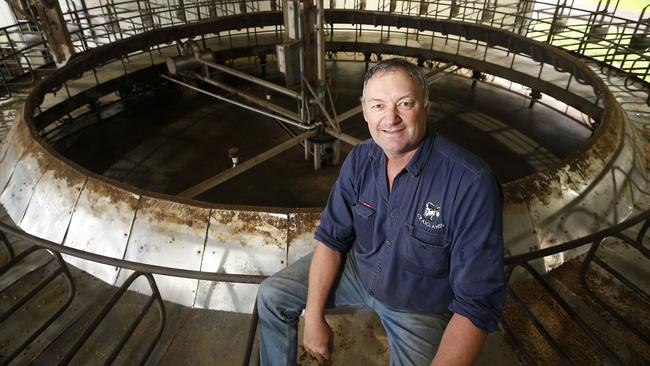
318, 338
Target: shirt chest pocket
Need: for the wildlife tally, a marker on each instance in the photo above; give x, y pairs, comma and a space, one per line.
364, 224
425, 253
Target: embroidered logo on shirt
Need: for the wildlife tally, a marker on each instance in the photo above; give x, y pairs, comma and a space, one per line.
431, 213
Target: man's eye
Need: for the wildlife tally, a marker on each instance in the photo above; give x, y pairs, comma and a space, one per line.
406, 104
376, 106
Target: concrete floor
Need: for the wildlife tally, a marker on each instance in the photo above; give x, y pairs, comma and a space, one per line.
184, 139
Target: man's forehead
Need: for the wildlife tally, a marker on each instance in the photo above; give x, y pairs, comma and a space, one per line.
393, 71
375, 89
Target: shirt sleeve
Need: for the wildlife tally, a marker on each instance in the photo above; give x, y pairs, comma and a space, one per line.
336, 229
477, 276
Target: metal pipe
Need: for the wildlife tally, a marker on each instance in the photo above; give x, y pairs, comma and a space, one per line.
320, 104
98, 319
279, 118
252, 331
135, 266
320, 45
349, 113
540, 328
51, 319
429, 76
273, 107
130, 331
525, 257
240, 168
591, 257
343, 137
582, 324
252, 79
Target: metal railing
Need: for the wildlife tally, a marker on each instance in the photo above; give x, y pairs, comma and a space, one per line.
140, 270
601, 35
594, 242
147, 270
150, 49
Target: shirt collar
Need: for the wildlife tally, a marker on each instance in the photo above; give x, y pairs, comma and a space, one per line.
419, 160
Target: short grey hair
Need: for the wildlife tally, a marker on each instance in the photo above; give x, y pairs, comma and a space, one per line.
395, 64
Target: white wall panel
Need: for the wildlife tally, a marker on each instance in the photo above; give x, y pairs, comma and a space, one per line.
28, 171
302, 226
51, 205
241, 242
168, 234
101, 224
13, 147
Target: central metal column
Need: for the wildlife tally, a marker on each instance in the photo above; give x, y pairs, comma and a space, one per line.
302, 60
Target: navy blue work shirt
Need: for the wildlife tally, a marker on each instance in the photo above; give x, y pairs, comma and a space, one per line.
431, 245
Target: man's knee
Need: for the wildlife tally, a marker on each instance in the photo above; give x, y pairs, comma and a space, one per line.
267, 292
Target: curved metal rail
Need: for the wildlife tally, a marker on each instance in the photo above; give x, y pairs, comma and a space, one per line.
594, 241
140, 270
147, 270
565, 26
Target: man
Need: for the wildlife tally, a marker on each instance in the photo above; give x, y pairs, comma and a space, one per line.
412, 230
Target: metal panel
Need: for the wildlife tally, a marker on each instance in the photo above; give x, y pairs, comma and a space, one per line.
6, 141
168, 234
244, 243
13, 147
101, 224
637, 178
27, 172
567, 210
50, 208
610, 197
301, 240
518, 231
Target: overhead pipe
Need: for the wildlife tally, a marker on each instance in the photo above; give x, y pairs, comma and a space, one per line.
252, 79
250, 98
274, 116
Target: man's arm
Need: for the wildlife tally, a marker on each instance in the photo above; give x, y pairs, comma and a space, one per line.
460, 344
317, 337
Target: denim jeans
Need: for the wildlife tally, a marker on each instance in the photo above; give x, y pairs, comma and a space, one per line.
413, 339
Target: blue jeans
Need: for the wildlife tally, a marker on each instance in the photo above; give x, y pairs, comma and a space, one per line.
413, 339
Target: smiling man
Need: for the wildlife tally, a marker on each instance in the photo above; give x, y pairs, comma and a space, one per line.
412, 230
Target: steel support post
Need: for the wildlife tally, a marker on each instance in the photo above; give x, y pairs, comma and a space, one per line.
52, 23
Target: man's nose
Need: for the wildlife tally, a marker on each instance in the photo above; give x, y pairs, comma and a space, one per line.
392, 115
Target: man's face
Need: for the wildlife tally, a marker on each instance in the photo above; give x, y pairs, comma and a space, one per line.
393, 106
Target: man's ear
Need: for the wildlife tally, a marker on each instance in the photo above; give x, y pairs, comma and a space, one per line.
427, 108
363, 109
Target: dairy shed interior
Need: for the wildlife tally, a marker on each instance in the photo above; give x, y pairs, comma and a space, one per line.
160, 158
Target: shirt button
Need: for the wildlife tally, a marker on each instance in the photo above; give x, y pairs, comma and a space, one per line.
371, 292
387, 242
378, 269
